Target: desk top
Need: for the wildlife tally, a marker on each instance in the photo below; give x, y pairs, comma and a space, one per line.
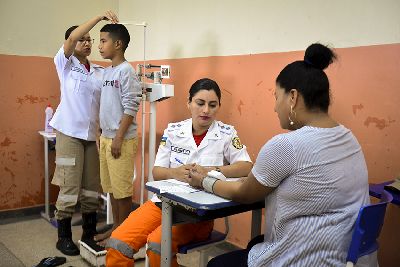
375, 190
201, 202
48, 135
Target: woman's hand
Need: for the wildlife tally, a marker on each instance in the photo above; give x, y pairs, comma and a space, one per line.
196, 176
181, 173
201, 170
110, 16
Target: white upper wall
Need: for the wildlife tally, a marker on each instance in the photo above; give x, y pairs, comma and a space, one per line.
185, 29
37, 27
189, 28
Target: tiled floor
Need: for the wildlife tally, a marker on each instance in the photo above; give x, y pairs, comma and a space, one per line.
26, 241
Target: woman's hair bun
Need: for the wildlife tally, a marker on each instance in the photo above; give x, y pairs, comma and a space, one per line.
319, 56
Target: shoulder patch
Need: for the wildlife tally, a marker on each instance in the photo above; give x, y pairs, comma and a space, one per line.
163, 141
236, 143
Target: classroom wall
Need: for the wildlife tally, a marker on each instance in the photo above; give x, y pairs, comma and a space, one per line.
241, 44
244, 44
31, 34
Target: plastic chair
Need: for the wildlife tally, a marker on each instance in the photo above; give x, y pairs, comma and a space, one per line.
367, 229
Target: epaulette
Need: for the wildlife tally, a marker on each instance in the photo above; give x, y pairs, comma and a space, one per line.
174, 126
225, 128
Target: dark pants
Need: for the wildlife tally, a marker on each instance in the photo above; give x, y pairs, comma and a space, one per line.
236, 258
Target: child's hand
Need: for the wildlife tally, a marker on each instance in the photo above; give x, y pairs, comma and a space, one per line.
110, 16
116, 147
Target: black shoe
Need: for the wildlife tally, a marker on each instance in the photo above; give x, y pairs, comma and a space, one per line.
51, 261
89, 225
67, 246
65, 243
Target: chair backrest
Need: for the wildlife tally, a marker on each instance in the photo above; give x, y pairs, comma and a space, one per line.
367, 228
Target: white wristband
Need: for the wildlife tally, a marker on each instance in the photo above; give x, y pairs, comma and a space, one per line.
208, 183
216, 174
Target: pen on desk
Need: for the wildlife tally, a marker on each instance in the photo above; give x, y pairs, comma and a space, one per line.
179, 161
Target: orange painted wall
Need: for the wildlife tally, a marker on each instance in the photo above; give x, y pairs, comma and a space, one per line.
28, 84
365, 85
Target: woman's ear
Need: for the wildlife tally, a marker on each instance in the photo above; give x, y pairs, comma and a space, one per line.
293, 96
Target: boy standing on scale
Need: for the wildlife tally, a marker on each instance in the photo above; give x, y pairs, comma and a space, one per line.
119, 104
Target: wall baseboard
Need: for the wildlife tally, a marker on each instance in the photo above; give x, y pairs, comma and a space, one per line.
11, 216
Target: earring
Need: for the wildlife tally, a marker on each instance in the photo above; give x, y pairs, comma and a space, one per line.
292, 113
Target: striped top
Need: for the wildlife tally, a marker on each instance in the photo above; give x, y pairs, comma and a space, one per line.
321, 182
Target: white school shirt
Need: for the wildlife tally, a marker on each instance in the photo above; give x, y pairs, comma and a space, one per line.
77, 115
221, 146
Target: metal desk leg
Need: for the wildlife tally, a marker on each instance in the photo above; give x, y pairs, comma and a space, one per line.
166, 234
46, 213
256, 217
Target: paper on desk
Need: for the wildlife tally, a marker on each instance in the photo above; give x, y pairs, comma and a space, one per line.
182, 187
177, 187
174, 181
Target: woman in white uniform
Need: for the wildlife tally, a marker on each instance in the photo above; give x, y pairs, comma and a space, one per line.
76, 124
314, 178
200, 142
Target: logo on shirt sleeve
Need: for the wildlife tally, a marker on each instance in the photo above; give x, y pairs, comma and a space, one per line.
163, 141
236, 143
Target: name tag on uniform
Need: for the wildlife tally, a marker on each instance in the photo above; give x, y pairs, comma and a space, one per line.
180, 150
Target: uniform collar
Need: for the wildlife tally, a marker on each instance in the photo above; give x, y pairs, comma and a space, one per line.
186, 129
212, 133
92, 65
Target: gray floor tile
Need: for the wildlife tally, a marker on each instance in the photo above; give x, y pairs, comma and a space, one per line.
27, 242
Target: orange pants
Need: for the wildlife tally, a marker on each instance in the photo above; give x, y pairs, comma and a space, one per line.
144, 225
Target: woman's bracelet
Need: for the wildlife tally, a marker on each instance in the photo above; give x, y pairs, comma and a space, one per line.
208, 183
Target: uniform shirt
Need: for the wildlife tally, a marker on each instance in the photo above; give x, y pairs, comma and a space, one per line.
77, 115
121, 94
321, 181
221, 146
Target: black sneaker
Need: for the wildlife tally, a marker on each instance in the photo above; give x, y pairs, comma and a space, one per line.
67, 247
51, 262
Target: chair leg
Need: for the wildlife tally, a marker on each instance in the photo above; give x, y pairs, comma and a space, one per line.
110, 219
203, 258
146, 259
